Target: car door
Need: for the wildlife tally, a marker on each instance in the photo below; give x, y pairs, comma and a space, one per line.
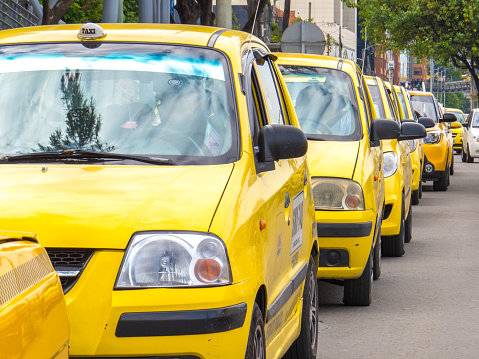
282, 189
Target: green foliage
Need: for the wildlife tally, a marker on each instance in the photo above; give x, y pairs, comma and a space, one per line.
458, 100
83, 124
275, 33
82, 11
234, 21
130, 11
445, 30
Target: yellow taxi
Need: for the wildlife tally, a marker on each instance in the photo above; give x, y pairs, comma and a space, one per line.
457, 128
345, 158
33, 315
416, 147
438, 150
396, 229
164, 169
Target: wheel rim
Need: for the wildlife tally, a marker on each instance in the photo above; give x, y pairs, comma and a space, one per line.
258, 343
313, 310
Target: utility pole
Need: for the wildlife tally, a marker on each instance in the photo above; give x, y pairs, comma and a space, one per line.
223, 14
432, 75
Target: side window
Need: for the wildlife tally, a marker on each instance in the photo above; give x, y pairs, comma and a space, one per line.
367, 107
271, 92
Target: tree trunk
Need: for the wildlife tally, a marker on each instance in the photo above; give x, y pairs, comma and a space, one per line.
53, 16
249, 24
287, 10
207, 16
189, 11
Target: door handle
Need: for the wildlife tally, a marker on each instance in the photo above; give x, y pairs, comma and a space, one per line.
287, 200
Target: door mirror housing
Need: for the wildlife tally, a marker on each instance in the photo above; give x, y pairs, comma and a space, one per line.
456, 125
384, 129
412, 131
427, 122
278, 142
448, 117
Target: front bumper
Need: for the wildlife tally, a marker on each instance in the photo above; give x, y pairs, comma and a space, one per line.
155, 322
416, 165
437, 154
391, 223
431, 176
474, 149
348, 237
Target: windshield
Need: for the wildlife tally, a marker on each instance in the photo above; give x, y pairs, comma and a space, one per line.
424, 106
475, 120
459, 115
377, 101
168, 101
324, 101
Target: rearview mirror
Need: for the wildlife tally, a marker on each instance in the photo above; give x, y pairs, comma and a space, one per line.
427, 122
277, 142
448, 117
384, 129
412, 131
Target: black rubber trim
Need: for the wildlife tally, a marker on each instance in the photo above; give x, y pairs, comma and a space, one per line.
433, 176
287, 292
214, 37
192, 322
344, 229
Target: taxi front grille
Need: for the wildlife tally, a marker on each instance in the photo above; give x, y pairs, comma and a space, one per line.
69, 264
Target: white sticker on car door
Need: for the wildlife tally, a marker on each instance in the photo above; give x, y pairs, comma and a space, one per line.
297, 236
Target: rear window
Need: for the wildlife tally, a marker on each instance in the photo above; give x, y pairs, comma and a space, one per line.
324, 101
140, 99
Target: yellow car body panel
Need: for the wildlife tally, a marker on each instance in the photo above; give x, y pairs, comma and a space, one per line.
354, 160
457, 130
33, 316
439, 154
101, 207
397, 186
417, 156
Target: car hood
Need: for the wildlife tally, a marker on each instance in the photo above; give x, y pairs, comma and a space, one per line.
102, 206
332, 159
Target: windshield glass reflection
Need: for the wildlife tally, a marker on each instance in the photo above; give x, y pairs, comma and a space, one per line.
130, 99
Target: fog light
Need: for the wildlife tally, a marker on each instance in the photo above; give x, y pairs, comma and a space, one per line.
333, 258
477, 152
428, 168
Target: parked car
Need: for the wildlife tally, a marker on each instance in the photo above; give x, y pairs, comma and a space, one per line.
396, 226
416, 147
470, 144
164, 169
33, 314
438, 151
457, 128
345, 158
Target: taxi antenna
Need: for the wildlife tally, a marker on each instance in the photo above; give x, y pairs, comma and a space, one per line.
254, 23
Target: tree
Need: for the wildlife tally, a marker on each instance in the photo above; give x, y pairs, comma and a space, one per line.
445, 30
82, 11
54, 15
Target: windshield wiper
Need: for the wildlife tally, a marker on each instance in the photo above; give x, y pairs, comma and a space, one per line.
85, 154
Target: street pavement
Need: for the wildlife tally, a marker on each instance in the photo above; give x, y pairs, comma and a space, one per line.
426, 303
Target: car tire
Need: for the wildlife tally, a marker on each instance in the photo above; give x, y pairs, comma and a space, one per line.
469, 159
415, 196
463, 155
377, 257
420, 188
358, 292
442, 182
451, 169
256, 348
306, 346
408, 227
393, 246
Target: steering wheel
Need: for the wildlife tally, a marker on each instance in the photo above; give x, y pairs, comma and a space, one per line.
312, 126
177, 140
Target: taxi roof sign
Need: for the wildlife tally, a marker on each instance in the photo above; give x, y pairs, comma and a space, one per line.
91, 31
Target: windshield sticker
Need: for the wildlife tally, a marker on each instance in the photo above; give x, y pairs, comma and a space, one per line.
212, 140
297, 237
157, 64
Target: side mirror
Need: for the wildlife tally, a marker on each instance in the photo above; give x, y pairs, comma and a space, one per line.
277, 142
412, 131
385, 129
448, 117
456, 125
427, 122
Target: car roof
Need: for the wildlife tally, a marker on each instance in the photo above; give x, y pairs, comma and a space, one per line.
453, 110
313, 60
147, 33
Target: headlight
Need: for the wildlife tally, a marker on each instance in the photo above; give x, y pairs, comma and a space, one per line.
174, 259
475, 138
390, 163
433, 137
335, 193
412, 145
